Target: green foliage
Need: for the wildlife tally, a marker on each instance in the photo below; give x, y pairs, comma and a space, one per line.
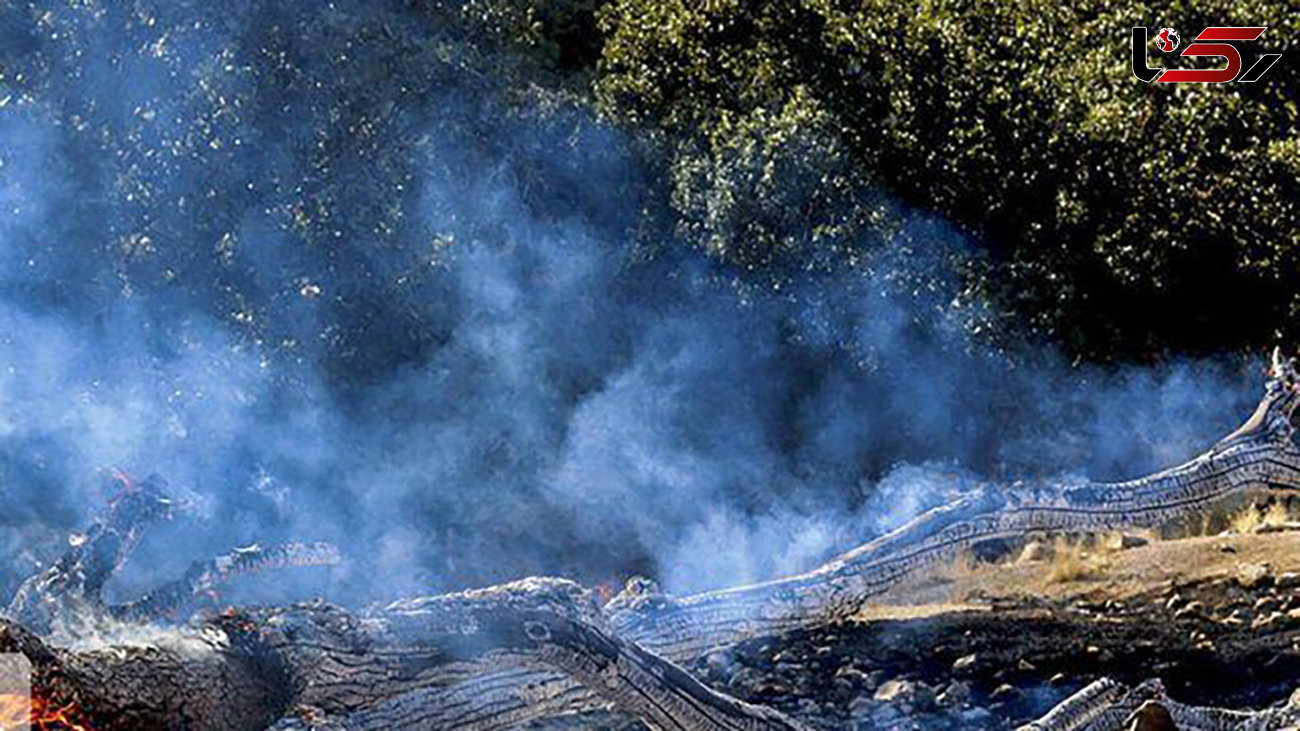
1122, 217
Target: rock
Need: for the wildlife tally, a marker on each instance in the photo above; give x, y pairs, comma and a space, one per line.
860, 706
964, 663
1058, 680
790, 668
894, 690
1294, 700
956, 694
1288, 580
744, 678
1253, 575
1150, 716
1033, 551
1266, 604
773, 689
923, 696
975, 718
851, 675
1266, 620
1227, 548
1025, 666
887, 716
1004, 692
1127, 541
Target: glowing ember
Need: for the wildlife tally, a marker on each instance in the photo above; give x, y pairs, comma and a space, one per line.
20, 713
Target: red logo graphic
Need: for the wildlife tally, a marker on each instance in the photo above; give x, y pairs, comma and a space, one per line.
1167, 40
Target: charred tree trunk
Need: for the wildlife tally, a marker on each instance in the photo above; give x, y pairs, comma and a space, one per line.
319, 662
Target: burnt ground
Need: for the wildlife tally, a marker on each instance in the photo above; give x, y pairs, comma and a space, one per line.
1217, 619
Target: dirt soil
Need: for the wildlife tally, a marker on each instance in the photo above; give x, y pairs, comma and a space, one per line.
997, 644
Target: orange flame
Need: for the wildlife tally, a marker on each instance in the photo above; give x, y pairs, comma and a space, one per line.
65, 718
19, 712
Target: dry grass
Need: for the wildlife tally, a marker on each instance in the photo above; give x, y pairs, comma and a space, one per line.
1276, 514
1071, 561
1246, 520
1123, 574
1252, 517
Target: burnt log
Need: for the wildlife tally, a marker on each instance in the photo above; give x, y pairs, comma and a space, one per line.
315, 662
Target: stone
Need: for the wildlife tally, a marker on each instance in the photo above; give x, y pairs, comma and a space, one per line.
1127, 541
975, 718
956, 694
1253, 575
894, 690
851, 675
861, 706
964, 663
1267, 604
1288, 580
887, 716
923, 696
1033, 551
1266, 620
1004, 692
1294, 700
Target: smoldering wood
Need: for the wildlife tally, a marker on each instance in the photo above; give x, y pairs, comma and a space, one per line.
497, 657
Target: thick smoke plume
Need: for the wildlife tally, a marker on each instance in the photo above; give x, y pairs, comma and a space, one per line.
319, 270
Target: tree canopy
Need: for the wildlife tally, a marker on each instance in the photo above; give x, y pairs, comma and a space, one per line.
1122, 218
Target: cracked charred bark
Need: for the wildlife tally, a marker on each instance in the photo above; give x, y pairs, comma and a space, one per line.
319, 662
494, 658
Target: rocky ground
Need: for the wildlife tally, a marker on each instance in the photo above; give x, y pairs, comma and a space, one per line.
998, 644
